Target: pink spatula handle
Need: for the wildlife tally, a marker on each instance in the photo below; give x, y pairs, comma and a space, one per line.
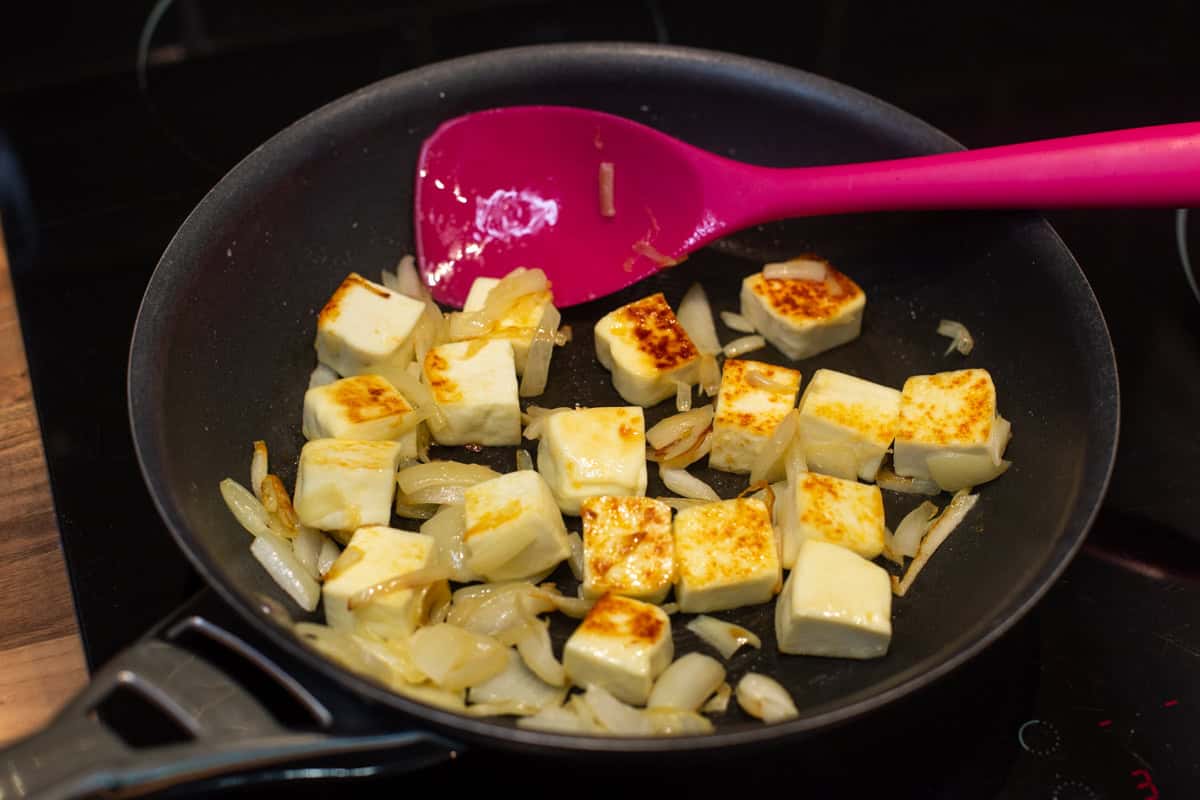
1153, 166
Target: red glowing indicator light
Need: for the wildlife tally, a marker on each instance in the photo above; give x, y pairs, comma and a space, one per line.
1104, 723
1170, 703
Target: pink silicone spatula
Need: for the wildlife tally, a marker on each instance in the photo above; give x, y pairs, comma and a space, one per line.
520, 186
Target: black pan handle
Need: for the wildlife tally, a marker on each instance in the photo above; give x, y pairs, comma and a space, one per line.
227, 729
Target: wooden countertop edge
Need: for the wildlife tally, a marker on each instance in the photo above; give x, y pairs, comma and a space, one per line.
41, 654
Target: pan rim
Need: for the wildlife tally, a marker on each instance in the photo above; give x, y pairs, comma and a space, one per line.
1103, 423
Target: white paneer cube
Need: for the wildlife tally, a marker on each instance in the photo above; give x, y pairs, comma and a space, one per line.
803, 317
514, 529
590, 452
366, 329
829, 509
343, 484
726, 556
847, 424
364, 407
647, 351
518, 324
748, 413
622, 645
475, 385
835, 603
373, 555
628, 548
950, 430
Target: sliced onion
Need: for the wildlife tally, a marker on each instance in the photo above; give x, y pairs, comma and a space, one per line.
770, 463
617, 717
889, 549
418, 578
575, 561
541, 350
695, 315
719, 702
433, 696
760, 381
538, 654
672, 722
643, 248
607, 206
693, 454
327, 556
258, 468
502, 613
322, 376
687, 683
563, 336
518, 686
455, 658
745, 344
683, 396
679, 428
307, 547
726, 637
680, 503
438, 474
710, 375
393, 653
389, 280
418, 396
954, 471
557, 719
278, 504
737, 322
910, 531
574, 607
501, 297
938, 533
285, 569
960, 338
537, 418
347, 559
406, 511
765, 698
887, 479
685, 484
797, 269
344, 648
408, 280
247, 509
524, 460
446, 529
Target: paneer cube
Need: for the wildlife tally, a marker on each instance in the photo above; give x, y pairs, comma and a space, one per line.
647, 351
622, 645
950, 430
366, 329
519, 324
514, 529
847, 424
726, 556
590, 452
344, 484
828, 509
803, 317
627, 548
475, 385
373, 555
748, 413
835, 603
364, 407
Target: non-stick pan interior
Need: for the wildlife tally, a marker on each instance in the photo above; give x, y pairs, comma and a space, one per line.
223, 348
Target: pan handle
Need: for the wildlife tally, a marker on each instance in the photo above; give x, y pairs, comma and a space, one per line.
226, 728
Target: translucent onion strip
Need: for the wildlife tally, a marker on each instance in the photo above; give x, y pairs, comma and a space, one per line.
737, 322
679, 428
440, 474
687, 683
281, 564
938, 533
910, 531
408, 280
726, 637
770, 465
960, 338
887, 479
246, 508
684, 484
322, 376
710, 375
541, 351
410, 580
608, 207
524, 460
575, 560
327, 556
519, 686
802, 269
746, 344
455, 658
719, 702
538, 654
258, 468
695, 315
307, 547
765, 698
683, 396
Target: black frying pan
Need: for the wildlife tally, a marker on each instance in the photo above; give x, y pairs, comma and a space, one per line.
223, 348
